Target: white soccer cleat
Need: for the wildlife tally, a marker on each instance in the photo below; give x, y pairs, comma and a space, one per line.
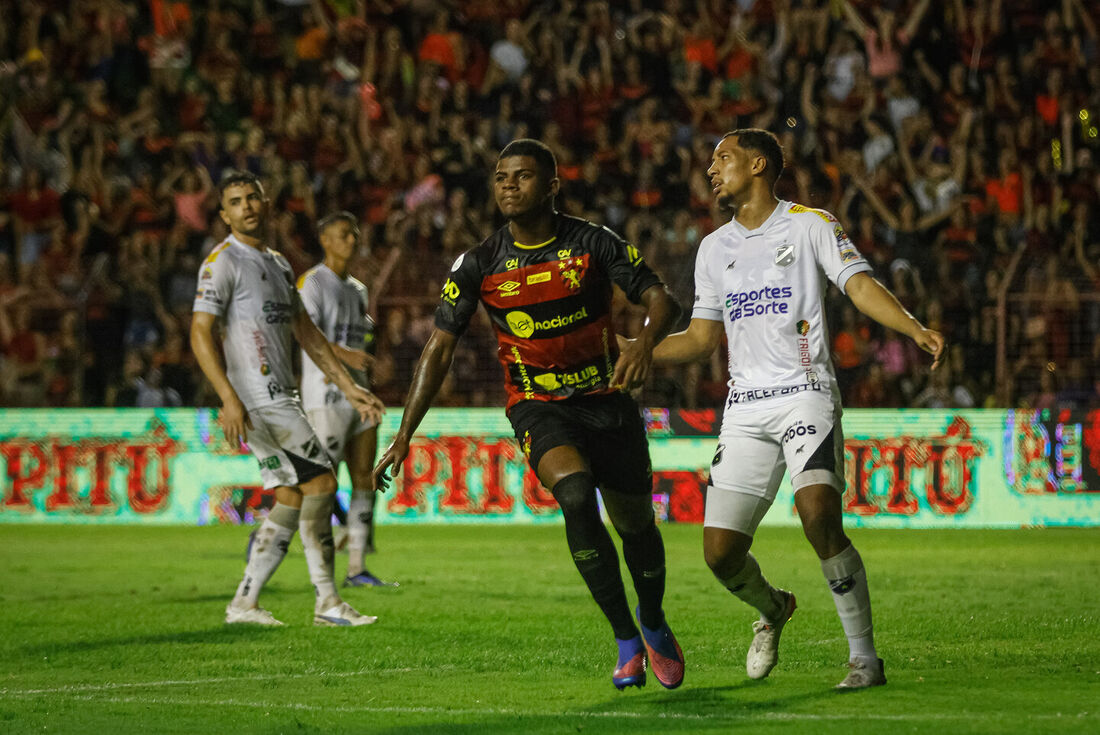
342, 614
253, 615
863, 674
764, 651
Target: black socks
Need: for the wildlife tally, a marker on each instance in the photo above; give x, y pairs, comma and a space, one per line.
592, 550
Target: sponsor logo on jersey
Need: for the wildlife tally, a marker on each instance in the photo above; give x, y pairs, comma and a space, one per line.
584, 378
747, 396
277, 312
798, 430
784, 254
767, 300
509, 288
270, 463
564, 253
538, 278
804, 360
511, 264
450, 292
523, 326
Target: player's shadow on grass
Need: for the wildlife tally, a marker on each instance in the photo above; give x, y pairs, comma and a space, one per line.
223, 634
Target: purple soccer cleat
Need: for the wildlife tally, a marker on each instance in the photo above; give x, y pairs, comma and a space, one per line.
630, 668
665, 657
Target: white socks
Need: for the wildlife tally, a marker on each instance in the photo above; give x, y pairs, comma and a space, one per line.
268, 549
359, 514
848, 581
749, 586
316, 528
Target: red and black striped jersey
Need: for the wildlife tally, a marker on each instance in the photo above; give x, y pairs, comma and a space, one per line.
550, 305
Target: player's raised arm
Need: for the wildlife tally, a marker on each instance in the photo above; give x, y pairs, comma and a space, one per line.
435, 362
635, 356
234, 418
320, 351
693, 344
876, 301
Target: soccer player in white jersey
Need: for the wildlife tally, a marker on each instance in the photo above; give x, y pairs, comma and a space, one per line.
337, 304
250, 289
761, 277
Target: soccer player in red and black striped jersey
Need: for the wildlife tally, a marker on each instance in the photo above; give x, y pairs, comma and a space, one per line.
546, 281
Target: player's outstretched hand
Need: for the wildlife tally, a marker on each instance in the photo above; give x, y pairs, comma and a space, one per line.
393, 457
235, 422
369, 406
633, 366
931, 342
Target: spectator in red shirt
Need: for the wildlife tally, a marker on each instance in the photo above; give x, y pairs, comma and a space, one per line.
36, 209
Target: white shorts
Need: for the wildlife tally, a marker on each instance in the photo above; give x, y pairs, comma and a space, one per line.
757, 446
284, 444
335, 426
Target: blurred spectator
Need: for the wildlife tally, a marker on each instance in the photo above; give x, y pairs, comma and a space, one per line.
956, 142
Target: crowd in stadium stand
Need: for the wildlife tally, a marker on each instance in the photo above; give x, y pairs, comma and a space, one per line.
957, 142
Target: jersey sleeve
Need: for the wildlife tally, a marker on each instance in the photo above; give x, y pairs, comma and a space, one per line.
460, 296
216, 278
836, 254
309, 292
708, 301
624, 264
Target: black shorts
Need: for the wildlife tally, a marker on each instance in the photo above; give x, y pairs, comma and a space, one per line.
607, 430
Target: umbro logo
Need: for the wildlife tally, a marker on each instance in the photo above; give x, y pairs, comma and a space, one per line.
585, 554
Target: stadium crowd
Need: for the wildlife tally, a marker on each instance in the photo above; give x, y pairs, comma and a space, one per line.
956, 141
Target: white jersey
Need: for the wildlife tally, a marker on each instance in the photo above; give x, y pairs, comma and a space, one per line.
768, 287
253, 291
338, 306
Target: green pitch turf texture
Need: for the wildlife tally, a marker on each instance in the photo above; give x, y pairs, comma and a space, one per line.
118, 630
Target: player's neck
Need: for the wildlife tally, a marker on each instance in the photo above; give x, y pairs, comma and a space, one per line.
755, 212
535, 229
252, 241
339, 266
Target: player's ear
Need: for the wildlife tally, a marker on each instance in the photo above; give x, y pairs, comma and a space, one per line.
224, 216
759, 165
555, 186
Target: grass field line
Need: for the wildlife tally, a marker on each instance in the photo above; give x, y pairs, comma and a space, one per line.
582, 714
108, 686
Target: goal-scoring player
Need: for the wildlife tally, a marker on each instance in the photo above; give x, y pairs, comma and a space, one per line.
545, 280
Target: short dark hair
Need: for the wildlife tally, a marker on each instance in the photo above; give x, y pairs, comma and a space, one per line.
330, 219
544, 157
233, 177
764, 143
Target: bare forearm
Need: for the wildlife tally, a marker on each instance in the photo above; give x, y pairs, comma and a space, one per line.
662, 311
430, 371
691, 345
874, 300
209, 358
321, 352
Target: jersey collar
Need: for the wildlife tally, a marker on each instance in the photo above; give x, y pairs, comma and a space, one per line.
780, 208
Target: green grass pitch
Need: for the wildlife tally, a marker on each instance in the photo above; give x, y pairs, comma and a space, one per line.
118, 630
